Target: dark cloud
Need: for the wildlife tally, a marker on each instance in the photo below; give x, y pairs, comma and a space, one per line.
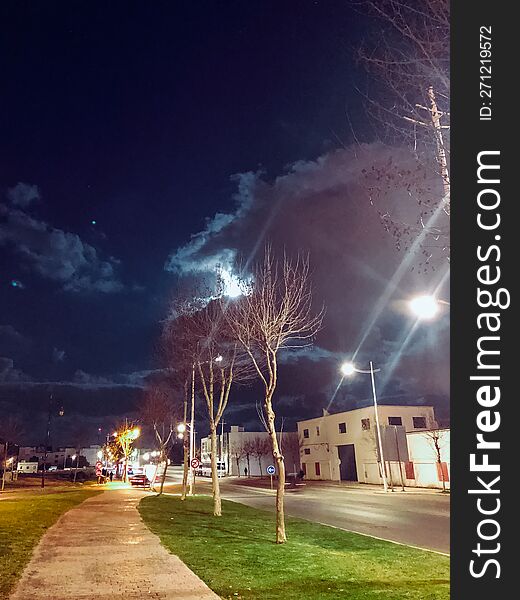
57, 255
23, 195
8, 373
324, 207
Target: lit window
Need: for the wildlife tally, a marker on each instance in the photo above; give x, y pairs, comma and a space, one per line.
342, 427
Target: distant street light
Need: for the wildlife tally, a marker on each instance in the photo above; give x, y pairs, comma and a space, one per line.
426, 306
349, 369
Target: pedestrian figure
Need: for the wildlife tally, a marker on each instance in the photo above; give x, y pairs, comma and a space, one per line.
111, 476
245, 471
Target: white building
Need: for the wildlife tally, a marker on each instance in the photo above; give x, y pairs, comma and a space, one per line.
240, 450
344, 446
429, 453
55, 457
59, 457
27, 467
91, 454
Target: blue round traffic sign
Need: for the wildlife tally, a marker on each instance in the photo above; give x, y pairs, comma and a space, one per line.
271, 470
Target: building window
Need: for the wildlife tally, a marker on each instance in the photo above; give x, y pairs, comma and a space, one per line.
317, 468
304, 468
342, 427
365, 424
307, 451
395, 421
317, 430
419, 422
306, 433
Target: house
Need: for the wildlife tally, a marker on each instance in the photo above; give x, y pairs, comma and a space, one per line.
344, 446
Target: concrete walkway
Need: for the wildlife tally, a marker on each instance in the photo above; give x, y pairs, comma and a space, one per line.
101, 550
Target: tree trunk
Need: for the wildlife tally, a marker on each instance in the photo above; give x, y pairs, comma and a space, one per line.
217, 504
163, 453
248, 466
238, 466
6, 447
186, 465
280, 488
260, 465
185, 445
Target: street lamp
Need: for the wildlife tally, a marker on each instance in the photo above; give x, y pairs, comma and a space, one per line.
426, 307
60, 412
349, 369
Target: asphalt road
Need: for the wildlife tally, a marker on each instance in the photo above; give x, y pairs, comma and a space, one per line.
416, 518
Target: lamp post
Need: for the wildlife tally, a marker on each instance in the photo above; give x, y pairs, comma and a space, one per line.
48, 434
349, 369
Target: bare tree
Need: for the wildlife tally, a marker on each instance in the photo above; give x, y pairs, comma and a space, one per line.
248, 452
409, 64
80, 437
10, 433
161, 410
220, 362
291, 444
437, 442
275, 314
260, 447
237, 452
178, 350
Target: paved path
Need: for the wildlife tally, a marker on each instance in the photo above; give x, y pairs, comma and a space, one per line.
101, 550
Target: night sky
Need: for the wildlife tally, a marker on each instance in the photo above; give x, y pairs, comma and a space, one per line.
142, 143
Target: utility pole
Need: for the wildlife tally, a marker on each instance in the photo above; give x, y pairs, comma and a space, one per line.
374, 396
192, 431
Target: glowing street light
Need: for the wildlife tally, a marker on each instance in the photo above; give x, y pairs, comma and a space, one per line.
426, 307
348, 369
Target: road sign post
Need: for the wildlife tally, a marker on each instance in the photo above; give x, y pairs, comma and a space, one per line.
271, 471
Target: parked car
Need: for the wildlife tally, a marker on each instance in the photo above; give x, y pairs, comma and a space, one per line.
139, 480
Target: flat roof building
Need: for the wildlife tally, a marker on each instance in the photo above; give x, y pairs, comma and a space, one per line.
344, 446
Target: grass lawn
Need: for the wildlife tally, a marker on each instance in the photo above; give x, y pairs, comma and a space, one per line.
23, 520
236, 556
